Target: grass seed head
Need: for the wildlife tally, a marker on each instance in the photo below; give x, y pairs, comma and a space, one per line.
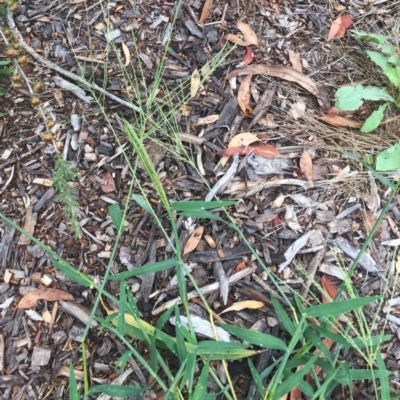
35, 101
14, 8
10, 53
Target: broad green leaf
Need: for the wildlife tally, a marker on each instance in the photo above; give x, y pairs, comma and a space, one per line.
373, 121
393, 74
142, 202
73, 387
212, 350
338, 307
4, 63
370, 37
379, 59
72, 273
257, 338
115, 215
6, 71
201, 387
145, 269
2, 93
200, 205
351, 98
203, 214
389, 159
116, 390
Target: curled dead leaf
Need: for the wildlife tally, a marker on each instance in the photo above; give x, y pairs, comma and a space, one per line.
295, 61
244, 95
288, 74
127, 54
264, 150
236, 39
206, 10
306, 167
30, 300
337, 120
339, 26
248, 57
241, 305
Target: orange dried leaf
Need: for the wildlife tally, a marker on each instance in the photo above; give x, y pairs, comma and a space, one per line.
329, 288
241, 305
30, 299
339, 26
264, 150
206, 10
341, 121
306, 167
193, 240
244, 95
248, 58
248, 33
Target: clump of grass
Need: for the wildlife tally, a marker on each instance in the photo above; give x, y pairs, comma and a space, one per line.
64, 176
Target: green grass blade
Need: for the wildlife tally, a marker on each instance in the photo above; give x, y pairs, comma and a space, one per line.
115, 215
256, 376
201, 387
385, 386
318, 343
145, 269
200, 205
212, 350
116, 390
121, 362
257, 338
337, 308
283, 316
122, 308
203, 214
73, 388
72, 273
144, 203
361, 374
180, 338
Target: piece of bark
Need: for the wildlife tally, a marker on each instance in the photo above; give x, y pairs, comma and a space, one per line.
77, 311
5, 245
264, 104
220, 275
213, 255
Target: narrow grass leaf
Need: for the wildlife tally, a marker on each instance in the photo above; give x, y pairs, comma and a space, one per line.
145, 269
73, 388
116, 390
212, 350
339, 339
256, 376
201, 214
115, 215
385, 385
318, 343
380, 177
142, 202
283, 316
201, 387
121, 362
72, 273
370, 341
361, 374
296, 379
340, 307
180, 338
257, 338
190, 369
122, 308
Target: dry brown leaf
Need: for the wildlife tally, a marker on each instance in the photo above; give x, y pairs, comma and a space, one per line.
244, 95
339, 26
295, 61
329, 288
30, 299
127, 54
195, 83
264, 150
241, 305
236, 39
206, 10
209, 119
288, 74
76, 1
242, 139
109, 185
248, 33
193, 240
306, 167
337, 120
248, 58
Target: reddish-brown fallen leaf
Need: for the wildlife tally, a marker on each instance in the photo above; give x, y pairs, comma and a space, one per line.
248, 33
295, 61
244, 95
193, 240
248, 57
339, 26
306, 167
239, 267
206, 10
329, 288
288, 74
264, 150
337, 120
109, 185
30, 299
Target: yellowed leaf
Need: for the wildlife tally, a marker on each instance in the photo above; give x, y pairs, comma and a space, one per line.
195, 83
236, 39
306, 167
206, 10
127, 54
242, 139
193, 240
241, 305
244, 95
295, 61
248, 33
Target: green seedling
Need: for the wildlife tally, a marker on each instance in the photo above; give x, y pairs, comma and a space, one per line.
350, 98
